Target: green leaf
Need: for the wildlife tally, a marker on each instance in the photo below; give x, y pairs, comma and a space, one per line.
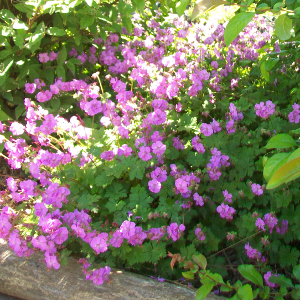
121, 5
19, 25
281, 140
19, 110
294, 154
274, 163
36, 37
205, 5
86, 200
19, 40
49, 75
264, 294
236, 25
245, 292
200, 260
86, 21
286, 173
264, 71
281, 280
296, 271
137, 168
113, 14
62, 56
188, 275
283, 27
250, 273
139, 196
56, 31
181, 6
103, 180
140, 4
5, 53
25, 8
71, 67
271, 63
204, 290
4, 116
214, 278
114, 192
55, 104
7, 64
60, 72
127, 23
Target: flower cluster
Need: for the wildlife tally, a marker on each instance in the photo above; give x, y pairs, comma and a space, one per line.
265, 110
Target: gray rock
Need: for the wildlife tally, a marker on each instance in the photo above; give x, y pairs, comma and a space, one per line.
29, 278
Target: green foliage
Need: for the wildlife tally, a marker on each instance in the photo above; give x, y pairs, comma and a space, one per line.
250, 273
236, 25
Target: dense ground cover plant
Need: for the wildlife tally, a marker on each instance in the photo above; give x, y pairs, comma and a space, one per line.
155, 154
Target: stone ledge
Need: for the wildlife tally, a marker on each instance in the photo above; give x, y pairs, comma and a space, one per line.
29, 279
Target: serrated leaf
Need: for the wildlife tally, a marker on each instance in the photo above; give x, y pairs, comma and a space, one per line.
137, 169
296, 271
236, 25
250, 273
286, 173
280, 141
139, 195
200, 260
204, 290
283, 27
288, 256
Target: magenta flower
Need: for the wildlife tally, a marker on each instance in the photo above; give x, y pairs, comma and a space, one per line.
198, 199
225, 211
16, 128
51, 261
206, 129
127, 229
145, 153
227, 196
60, 235
181, 185
175, 231
43, 57
99, 243
117, 239
158, 148
256, 189
154, 186
199, 234
30, 88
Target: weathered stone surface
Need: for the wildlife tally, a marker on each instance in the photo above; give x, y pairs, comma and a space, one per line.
30, 279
